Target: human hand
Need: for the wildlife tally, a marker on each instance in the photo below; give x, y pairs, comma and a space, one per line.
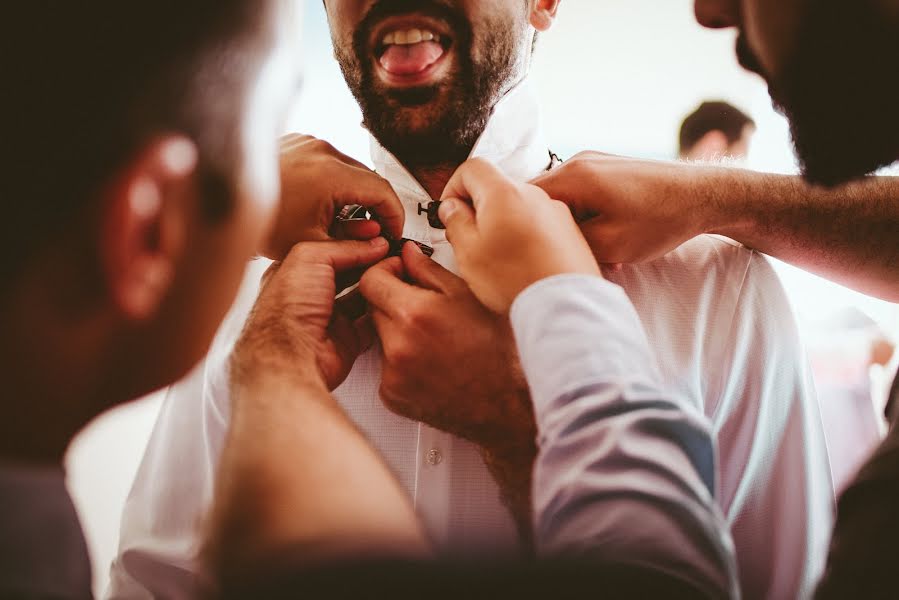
452, 363
316, 182
293, 331
513, 236
448, 361
632, 210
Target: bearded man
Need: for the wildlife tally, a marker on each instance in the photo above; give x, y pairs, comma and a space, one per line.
444, 398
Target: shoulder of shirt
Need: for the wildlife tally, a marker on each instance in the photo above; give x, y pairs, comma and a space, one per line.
711, 262
722, 247
703, 249
720, 241
758, 270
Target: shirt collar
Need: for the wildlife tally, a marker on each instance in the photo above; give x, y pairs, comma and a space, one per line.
513, 140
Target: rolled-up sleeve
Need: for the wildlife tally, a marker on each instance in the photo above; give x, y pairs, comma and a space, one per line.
626, 471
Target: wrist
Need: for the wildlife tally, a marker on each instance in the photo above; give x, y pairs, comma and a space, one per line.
270, 391
272, 373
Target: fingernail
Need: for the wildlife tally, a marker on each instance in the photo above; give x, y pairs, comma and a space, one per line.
446, 209
414, 245
378, 242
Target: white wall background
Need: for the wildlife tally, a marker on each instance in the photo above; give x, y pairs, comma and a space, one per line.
613, 75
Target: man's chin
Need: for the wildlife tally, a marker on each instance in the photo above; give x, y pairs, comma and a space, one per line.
418, 99
833, 157
831, 148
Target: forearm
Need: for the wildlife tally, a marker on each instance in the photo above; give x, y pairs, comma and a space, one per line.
295, 473
849, 235
625, 473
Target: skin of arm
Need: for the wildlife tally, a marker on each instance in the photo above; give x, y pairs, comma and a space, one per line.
849, 235
634, 210
296, 477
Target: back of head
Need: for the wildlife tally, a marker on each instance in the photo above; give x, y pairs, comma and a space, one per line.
86, 84
712, 116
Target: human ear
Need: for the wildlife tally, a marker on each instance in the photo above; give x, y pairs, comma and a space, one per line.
145, 216
543, 13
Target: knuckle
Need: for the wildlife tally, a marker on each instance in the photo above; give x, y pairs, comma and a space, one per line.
477, 162
400, 354
586, 156
303, 252
391, 399
411, 318
580, 168
321, 145
369, 281
395, 401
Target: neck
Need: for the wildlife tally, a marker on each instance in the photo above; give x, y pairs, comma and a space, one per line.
434, 178
49, 367
35, 431
45, 407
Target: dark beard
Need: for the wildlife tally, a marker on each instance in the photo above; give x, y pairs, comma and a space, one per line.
840, 91
436, 125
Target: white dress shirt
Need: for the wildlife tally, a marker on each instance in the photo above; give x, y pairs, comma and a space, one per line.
723, 335
618, 452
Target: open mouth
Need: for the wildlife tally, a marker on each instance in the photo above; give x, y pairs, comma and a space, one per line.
412, 51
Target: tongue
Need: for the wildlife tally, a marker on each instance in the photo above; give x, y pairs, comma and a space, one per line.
410, 59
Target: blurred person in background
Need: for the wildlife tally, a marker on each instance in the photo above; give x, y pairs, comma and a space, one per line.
843, 348
446, 399
835, 221
715, 131
141, 174
891, 409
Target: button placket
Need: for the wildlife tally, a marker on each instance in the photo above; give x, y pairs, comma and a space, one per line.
433, 492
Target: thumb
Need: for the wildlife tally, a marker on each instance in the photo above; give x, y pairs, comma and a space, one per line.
340, 255
461, 226
426, 273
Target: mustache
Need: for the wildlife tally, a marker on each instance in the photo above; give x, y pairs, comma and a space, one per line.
437, 9
747, 56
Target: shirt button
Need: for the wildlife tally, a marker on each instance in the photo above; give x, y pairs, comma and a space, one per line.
434, 457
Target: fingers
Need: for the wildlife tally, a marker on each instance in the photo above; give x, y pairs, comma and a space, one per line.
383, 287
351, 182
365, 332
356, 230
427, 273
478, 180
374, 193
340, 255
459, 219
351, 338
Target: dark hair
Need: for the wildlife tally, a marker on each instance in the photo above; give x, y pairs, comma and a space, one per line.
86, 84
713, 116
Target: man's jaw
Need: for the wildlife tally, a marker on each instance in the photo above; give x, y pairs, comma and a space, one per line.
412, 51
